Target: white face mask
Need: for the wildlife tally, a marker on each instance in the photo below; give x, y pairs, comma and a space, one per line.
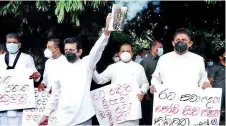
116, 59
209, 63
160, 51
48, 53
125, 57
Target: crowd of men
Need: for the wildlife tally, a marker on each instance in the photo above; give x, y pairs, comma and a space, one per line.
69, 74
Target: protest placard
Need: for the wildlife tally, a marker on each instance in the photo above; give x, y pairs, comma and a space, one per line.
118, 17
31, 117
116, 103
183, 107
16, 90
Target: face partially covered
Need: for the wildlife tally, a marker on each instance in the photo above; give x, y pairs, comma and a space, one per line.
71, 52
181, 43
12, 45
126, 53
116, 58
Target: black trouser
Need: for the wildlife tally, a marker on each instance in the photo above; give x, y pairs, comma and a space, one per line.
147, 108
222, 118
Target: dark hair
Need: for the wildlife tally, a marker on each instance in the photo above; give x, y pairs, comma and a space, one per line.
57, 43
183, 31
12, 35
73, 40
127, 44
221, 52
154, 43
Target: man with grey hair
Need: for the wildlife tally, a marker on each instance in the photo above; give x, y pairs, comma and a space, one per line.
15, 59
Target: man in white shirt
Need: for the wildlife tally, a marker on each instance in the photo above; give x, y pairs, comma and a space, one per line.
125, 71
55, 61
180, 68
116, 57
17, 60
71, 90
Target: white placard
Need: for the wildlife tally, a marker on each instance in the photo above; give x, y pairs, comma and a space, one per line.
118, 17
116, 103
32, 117
184, 107
16, 90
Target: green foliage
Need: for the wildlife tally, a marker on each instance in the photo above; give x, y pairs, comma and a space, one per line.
211, 1
71, 7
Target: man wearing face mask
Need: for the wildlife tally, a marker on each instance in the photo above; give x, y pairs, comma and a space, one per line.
116, 58
217, 77
180, 68
125, 71
56, 60
149, 63
15, 59
71, 88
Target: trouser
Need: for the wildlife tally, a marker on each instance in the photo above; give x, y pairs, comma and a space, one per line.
88, 122
222, 118
10, 121
147, 108
128, 123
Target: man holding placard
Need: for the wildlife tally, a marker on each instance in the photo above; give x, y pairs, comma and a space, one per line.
180, 68
15, 59
71, 88
126, 72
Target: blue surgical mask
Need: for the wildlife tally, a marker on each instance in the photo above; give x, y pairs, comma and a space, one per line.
209, 63
12, 48
160, 51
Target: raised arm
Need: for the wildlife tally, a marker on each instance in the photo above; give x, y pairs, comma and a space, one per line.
97, 50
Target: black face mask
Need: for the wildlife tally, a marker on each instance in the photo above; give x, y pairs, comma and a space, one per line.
71, 57
181, 47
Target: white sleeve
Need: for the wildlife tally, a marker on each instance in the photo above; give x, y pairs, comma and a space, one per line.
144, 85
31, 64
53, 99
97, 50
104, 77
156, 76
202, 74
44, 80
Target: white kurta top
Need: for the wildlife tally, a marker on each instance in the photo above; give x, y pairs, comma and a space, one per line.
25, 61
71, 90
181, 71
121, 73
51, 66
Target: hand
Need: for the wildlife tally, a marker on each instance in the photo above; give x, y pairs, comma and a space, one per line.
108, 19
206, 85
44, 121
35, 76
41, 87
152, 89
140, 96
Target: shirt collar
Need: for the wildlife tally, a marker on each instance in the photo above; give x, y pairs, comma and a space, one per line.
153, 57
13, 55
181, 56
